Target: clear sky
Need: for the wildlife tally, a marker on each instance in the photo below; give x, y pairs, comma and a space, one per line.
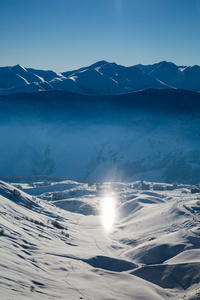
67, 34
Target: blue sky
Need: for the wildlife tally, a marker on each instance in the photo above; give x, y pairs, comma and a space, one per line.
67, 34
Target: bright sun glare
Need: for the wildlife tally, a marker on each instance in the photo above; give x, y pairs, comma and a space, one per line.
108, 212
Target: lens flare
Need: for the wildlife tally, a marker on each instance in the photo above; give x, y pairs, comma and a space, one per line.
108, 212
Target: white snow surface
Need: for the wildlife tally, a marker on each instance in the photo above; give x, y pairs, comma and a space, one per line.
55, 246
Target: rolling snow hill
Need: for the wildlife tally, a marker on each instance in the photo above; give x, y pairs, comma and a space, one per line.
101, 78
151, 135
72, 240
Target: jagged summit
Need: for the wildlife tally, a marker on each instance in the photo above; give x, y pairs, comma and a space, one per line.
18, 68
98, 64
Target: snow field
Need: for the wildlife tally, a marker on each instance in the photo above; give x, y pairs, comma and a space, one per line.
54, 247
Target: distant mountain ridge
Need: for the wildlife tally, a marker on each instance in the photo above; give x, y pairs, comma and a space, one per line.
101, 78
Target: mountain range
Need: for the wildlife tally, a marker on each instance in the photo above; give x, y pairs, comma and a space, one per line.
102, 122
101, 78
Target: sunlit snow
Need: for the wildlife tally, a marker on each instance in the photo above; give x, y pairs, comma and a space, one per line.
108, 212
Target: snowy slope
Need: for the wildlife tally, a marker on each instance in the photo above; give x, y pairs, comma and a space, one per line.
46, 75
18, 79
151, 135
105, 78
72, 250
182, 77
16, 76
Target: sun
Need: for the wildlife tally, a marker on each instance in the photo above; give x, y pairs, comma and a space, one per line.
108, 212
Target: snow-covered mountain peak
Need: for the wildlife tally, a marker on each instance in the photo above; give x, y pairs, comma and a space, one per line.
99, 64
18, 67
